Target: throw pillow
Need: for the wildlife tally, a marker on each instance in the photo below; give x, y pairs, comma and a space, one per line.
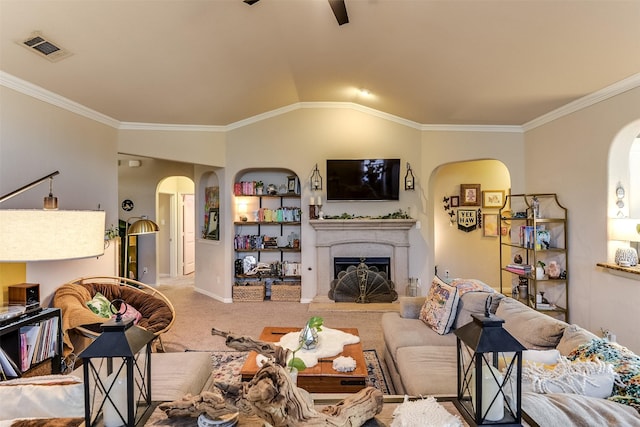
532, 329
100, 305
440, 306
587, 378
130, 313
625, 363
573, 337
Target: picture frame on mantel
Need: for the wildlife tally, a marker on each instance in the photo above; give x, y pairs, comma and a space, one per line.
470, 195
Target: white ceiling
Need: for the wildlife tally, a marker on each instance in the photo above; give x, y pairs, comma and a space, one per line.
217, 62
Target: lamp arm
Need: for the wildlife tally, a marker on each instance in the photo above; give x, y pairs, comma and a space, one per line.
28, 186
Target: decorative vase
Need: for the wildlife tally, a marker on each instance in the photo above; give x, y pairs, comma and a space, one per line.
539, 273
308, 338
626, 257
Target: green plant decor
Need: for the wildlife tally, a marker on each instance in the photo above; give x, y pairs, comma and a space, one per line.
314, 322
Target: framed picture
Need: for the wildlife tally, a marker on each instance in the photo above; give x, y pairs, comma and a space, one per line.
492, 198
470, 194
455, 201
213, 224
291, 184
490, 225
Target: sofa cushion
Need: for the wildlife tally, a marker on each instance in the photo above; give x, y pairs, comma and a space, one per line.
48, 396
428, 370
474, 302
173, 375
399, 332
573, 337
532, 329
410, 306
440, 306
563, 409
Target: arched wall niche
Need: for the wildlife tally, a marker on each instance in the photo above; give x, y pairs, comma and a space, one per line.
466, 254
624, 175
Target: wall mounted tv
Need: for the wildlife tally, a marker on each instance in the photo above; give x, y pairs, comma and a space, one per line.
368, 179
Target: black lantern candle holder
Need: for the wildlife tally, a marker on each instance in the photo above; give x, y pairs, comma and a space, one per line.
488, 392
117, 374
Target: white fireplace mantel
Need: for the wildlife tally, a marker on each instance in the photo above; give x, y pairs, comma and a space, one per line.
361, 238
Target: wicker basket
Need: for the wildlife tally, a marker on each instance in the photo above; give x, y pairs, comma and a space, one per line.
285, 291
253, 291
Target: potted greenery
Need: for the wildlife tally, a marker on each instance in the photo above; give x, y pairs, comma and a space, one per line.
259, 185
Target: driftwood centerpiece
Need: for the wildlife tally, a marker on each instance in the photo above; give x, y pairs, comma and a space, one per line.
272, 395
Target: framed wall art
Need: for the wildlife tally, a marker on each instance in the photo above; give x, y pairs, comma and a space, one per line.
470, 194
492, 198
490, 225
455, 201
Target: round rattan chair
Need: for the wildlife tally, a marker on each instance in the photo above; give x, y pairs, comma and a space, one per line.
158, 314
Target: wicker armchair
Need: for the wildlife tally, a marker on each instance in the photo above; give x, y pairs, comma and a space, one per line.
78, 321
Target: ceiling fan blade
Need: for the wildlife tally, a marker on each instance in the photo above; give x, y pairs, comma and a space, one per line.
340, 11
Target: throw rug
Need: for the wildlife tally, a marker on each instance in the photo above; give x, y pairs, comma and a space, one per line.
226, 367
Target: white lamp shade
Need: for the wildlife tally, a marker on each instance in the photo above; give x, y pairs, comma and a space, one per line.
624, 229
46, 235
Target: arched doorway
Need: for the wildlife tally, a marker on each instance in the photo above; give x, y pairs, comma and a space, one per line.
458, 253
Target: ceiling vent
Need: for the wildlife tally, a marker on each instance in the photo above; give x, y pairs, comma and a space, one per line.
45, 47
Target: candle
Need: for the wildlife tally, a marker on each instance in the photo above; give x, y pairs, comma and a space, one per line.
319, 201
490, 388
312, 201
118, 395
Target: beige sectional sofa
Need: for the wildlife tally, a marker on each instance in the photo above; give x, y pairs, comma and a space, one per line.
422, 362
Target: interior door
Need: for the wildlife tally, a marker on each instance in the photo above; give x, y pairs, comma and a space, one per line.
188, 234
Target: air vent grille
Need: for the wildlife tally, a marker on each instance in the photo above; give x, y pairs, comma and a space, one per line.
45, 47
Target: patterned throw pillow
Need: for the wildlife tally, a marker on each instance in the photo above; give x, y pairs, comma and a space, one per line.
625, 363
100, 305
440, 306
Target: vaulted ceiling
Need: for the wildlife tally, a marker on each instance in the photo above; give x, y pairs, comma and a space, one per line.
217, 62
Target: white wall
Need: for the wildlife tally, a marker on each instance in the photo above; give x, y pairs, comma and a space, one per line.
569, 156
37, 138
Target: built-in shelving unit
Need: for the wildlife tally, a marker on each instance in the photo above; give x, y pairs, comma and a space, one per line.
267, 242
534, 253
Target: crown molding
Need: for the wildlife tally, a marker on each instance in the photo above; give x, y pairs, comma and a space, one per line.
44, 95
617, 88
169, 127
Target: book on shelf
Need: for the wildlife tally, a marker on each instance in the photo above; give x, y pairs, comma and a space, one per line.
8, 368
545, 306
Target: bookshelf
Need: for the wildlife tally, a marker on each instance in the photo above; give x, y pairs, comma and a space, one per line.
31, 345
537, 236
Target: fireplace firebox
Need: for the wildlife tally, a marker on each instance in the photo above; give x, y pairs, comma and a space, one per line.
383, 264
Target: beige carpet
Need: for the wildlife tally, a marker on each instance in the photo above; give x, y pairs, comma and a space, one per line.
196, 314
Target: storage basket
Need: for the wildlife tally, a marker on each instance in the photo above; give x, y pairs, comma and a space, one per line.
285, 291
253, 291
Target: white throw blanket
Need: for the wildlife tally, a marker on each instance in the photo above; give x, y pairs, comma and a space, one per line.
425, 412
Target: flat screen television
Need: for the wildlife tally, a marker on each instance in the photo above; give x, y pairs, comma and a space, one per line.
368, 179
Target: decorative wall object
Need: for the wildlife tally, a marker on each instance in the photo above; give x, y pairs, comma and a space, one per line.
493, 199
467, 220
470, 194
211, 205
490, 222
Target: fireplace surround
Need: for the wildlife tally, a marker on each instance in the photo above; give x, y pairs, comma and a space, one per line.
361, 238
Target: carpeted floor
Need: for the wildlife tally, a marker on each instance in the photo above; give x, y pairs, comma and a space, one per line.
226, 367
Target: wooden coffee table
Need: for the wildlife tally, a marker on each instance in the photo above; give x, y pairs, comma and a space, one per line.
321, 378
